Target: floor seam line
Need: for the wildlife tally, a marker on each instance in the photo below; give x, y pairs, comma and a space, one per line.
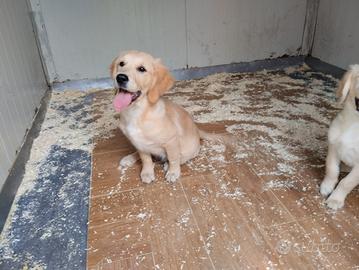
109, 223
116, 192
110, 151
200, 233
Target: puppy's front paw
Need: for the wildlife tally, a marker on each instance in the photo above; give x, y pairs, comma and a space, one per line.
165, 166
147, 177
326, 187
172, 176
128, 161
334, 203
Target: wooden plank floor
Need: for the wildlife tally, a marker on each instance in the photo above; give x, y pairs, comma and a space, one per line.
250, 209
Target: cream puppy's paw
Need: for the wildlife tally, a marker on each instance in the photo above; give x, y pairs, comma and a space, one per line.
336, 200
165, 166
334, 204
128, 160
327, 187
147, 177
172, 176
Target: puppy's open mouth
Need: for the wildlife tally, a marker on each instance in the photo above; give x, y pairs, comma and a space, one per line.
124, 98
134, 95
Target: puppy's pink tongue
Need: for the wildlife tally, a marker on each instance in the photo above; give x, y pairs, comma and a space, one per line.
121, 101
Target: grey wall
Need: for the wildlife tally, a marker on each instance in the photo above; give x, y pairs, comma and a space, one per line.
82, 36
222, 32
85, 35
22, 82
337, 33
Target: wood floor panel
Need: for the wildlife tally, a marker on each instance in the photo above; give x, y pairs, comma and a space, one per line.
115, 245
176, 240
336, 236
109, 178
253, 205
231, 227
141, 262
227, 230
291, 247
122, 207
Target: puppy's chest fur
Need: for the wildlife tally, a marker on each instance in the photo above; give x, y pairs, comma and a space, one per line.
344, 135
134, 131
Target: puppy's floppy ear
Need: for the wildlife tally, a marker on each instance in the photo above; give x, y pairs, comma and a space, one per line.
345, 85
163, 82
113, 67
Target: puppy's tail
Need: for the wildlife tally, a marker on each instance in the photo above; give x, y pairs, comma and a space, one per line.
226, 139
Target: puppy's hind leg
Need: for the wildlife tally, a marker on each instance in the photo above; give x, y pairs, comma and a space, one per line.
129, 160
332, 172
336, 199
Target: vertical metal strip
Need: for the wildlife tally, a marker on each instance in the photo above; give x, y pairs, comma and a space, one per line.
43, 41
309, 28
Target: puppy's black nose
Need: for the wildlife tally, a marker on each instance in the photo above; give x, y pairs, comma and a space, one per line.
121, 78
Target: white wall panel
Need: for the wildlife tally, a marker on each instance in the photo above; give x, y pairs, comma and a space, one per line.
227, 31
22, 82
337, 33
85, 35
82, 36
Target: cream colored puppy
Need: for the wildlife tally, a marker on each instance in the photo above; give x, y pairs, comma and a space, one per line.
343, 142
155, 126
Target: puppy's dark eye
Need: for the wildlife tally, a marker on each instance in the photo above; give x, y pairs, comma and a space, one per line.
141, 69
122, 64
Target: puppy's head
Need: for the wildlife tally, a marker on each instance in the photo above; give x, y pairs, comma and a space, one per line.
137, 75
348, 90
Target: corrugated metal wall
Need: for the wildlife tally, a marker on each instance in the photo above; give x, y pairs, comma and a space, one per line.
22, 81
337, 35
84, 35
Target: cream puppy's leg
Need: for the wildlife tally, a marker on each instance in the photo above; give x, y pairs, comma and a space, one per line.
174, 160
336, 199
147, 173
332, 172
129, 160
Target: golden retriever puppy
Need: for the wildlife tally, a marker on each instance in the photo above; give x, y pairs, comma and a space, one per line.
343, 142
154, 125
